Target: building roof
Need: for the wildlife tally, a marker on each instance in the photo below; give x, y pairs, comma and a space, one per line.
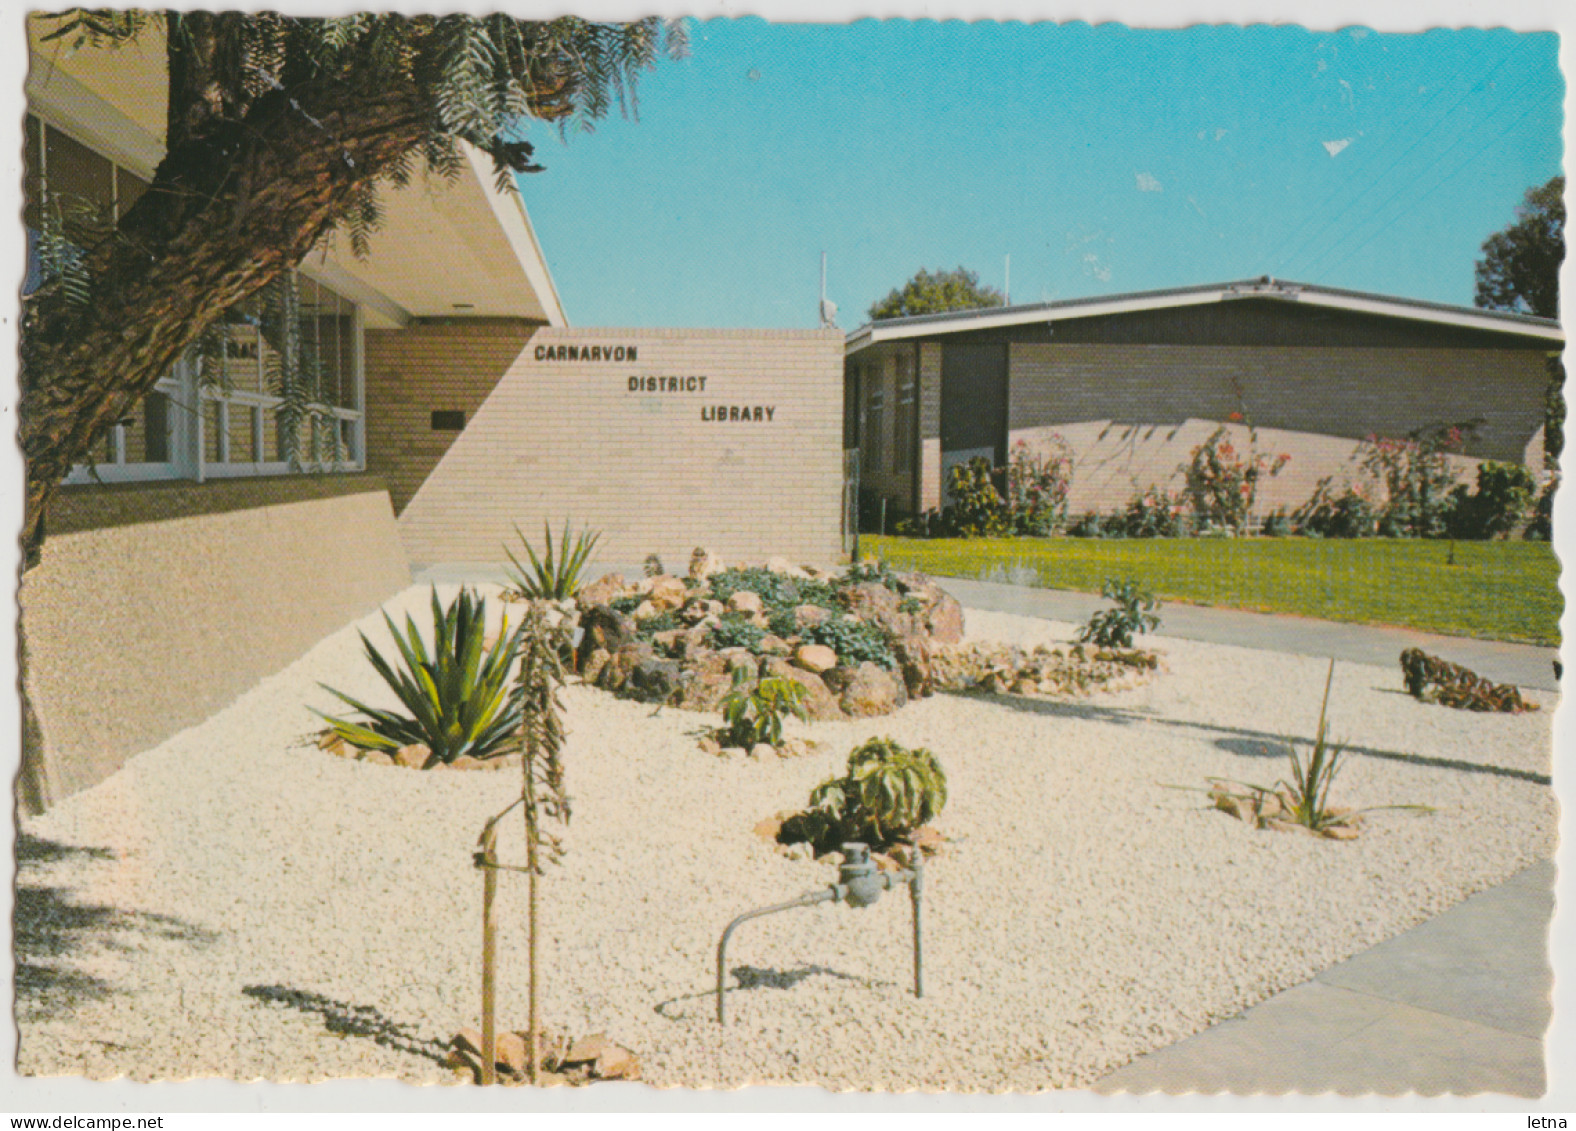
1280, 290
453, 248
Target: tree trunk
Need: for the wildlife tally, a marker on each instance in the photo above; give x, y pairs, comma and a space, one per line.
228, 211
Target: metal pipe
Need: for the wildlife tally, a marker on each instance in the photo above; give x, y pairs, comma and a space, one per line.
824, 895
916, 892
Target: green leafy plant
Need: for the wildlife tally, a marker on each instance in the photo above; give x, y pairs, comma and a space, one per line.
775, 590
1154, 513
556, 575
1504, 495
1222, 482
1134, 614
457, 692
737, 631
1416, 476
783, 623
977, 509
1328, 513
755, 714
886, 793
1037, 486
854, 641
877, 570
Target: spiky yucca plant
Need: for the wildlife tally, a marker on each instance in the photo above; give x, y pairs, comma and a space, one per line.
555, 576
457, 692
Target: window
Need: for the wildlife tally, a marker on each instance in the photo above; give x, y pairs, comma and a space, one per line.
185, 428
875, 419
905, 421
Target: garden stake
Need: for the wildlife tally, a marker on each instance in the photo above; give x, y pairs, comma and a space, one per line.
859, 885
487, 861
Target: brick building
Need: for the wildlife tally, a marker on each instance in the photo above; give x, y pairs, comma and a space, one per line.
190, 559
1132, 383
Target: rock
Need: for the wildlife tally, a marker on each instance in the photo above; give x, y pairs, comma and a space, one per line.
944, 619
413, 756
815, 658
805, 616
703, 563
739, 659
785, 567
872, 601
376, 757
872, 691
837, 679
710, 745
603, 591
588, 1049
913, 654
819, 702
769, 828
709, 679
746, 602
653, 680
1340, 832
604, 628
617, 1063
667, 593
511, 1055
794, 747
615, 675
669, 640
593, 664
645, 611
762, 750
776, 645
735, 752
699, 609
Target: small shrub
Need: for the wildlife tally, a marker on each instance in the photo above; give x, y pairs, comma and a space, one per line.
626, 605
458, 697
1276, 524
977, 509
926, 524
783, 623
1037, 487
652, 566
854, 641
664, 621
756, 714
887, 792
553, 577
1332, 514
1152, 514
1499, 505
1222, 483
1540, 528
1088, 525
1115, 628
737, 631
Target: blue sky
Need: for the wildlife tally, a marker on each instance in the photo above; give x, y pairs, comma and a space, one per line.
1102, 159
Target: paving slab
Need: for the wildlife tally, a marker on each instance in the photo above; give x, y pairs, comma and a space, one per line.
1456, 1005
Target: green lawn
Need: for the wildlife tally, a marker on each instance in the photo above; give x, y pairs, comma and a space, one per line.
1494, 590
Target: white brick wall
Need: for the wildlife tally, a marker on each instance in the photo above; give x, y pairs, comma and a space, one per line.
560, 440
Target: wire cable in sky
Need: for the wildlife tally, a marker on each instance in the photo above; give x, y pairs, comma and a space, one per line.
1375, 182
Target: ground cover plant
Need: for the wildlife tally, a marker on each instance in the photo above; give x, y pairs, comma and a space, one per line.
1494, 590
456, 691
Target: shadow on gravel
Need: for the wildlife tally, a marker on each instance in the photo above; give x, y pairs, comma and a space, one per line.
347, 1020
50, 930
1254, 743
759, 977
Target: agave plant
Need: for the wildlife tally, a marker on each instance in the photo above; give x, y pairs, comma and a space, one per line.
456, 692
555, 576
887, 793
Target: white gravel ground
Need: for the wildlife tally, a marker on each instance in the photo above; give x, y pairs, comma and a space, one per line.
236, 903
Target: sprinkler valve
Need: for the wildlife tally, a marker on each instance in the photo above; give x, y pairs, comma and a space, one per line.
859, 884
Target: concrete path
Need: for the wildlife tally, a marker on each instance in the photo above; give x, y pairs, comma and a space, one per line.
1525, 665
1457, 1005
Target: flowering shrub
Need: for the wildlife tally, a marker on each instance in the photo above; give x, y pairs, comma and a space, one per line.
1037, 486
1152, 514
1222, 483
1416, 477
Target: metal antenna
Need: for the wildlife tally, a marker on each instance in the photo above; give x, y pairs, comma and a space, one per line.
828, 309
1008, 286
